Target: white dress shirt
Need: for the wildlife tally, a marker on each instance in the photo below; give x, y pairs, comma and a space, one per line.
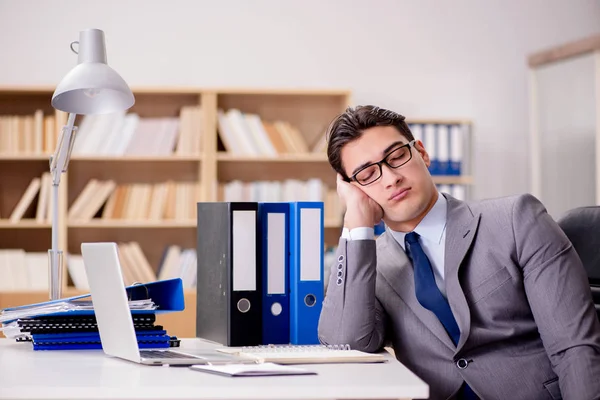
432, 232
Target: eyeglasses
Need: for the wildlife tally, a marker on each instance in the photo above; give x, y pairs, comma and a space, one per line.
395, 159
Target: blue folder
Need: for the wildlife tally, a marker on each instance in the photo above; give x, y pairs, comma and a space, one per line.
275, 300
306, 270
166, 294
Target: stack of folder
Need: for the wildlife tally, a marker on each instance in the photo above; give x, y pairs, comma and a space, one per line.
260, 272
70, 323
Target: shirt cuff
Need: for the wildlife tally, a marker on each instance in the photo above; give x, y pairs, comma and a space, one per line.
360, 233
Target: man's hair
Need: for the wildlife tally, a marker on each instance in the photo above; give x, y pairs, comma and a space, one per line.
351, 124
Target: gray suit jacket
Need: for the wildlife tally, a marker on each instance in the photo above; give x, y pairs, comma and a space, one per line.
518, 292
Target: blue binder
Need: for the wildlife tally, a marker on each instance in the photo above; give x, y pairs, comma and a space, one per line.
166, 294
274, 221
306, 271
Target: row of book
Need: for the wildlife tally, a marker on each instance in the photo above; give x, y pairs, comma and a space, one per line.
456, 191
128, 134
286, 191
21, 270
168, 200
40, 188
246, 134
176, 262
30, 134
446, 145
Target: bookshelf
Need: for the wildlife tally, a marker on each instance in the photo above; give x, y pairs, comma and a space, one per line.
205, 163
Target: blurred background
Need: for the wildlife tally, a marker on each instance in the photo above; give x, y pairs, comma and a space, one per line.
428, 58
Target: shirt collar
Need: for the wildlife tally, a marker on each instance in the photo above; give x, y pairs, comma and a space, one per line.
432, 226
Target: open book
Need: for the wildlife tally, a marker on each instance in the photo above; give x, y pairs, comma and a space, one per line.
304, 354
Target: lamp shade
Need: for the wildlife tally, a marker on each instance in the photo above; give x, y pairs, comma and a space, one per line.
92, 87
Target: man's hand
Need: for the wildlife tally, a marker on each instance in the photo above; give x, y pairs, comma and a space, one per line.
361, 210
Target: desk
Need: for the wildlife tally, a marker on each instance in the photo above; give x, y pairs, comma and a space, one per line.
90, 374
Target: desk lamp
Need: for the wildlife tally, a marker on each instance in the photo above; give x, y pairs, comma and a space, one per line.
92, 87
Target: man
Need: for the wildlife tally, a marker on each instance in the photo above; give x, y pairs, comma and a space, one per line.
481, 300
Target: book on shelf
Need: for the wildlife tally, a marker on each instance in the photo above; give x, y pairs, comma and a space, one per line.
246, 134
20, 270
28, 208
128, 134
134, 264
304, 354
287, 190
26, 200
156, 202
175, 263
456, 191
33, 134
447, 145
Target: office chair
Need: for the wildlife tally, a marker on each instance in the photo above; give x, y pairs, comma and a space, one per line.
582, 227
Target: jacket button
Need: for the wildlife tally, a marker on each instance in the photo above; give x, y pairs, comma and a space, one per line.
462, 363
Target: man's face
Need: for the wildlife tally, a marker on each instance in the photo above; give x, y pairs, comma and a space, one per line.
406, 193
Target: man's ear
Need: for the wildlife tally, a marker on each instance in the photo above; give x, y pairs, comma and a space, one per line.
424, 155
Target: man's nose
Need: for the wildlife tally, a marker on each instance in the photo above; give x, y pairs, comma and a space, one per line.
389, 175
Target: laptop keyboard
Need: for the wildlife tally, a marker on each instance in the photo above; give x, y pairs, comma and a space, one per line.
164, 354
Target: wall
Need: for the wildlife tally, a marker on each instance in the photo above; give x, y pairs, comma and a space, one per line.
567, 126
426, 58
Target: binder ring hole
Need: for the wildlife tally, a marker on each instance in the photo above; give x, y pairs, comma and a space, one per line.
310, 300
243, 305
276, 309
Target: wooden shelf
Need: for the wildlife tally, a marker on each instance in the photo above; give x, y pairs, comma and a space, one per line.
23, 224
452, 180
126, 159
25, 157
309, 110
281, 158
131, 224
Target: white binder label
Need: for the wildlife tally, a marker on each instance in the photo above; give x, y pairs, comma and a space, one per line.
310, 244
244, 250
276, 253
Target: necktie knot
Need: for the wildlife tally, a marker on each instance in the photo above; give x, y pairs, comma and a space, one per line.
411, 238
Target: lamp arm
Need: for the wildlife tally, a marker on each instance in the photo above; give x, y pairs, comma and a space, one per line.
59, 162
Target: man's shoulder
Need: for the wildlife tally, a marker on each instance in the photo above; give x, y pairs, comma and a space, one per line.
508, 204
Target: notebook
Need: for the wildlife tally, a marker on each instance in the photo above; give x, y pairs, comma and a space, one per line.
264, 369
114, 318
304, 354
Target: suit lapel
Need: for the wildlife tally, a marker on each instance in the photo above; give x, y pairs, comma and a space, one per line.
396, 268
461, 229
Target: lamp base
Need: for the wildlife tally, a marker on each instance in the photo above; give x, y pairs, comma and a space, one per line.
55, 260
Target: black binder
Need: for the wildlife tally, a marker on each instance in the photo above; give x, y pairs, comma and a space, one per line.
229, 284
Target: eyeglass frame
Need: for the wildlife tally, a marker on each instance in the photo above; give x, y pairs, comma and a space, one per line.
384, 161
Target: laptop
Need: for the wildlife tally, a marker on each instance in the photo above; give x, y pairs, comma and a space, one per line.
113, 316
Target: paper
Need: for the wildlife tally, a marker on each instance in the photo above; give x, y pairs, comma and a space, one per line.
64, 305
264, 369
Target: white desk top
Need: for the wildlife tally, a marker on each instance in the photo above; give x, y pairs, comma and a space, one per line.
89, 374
